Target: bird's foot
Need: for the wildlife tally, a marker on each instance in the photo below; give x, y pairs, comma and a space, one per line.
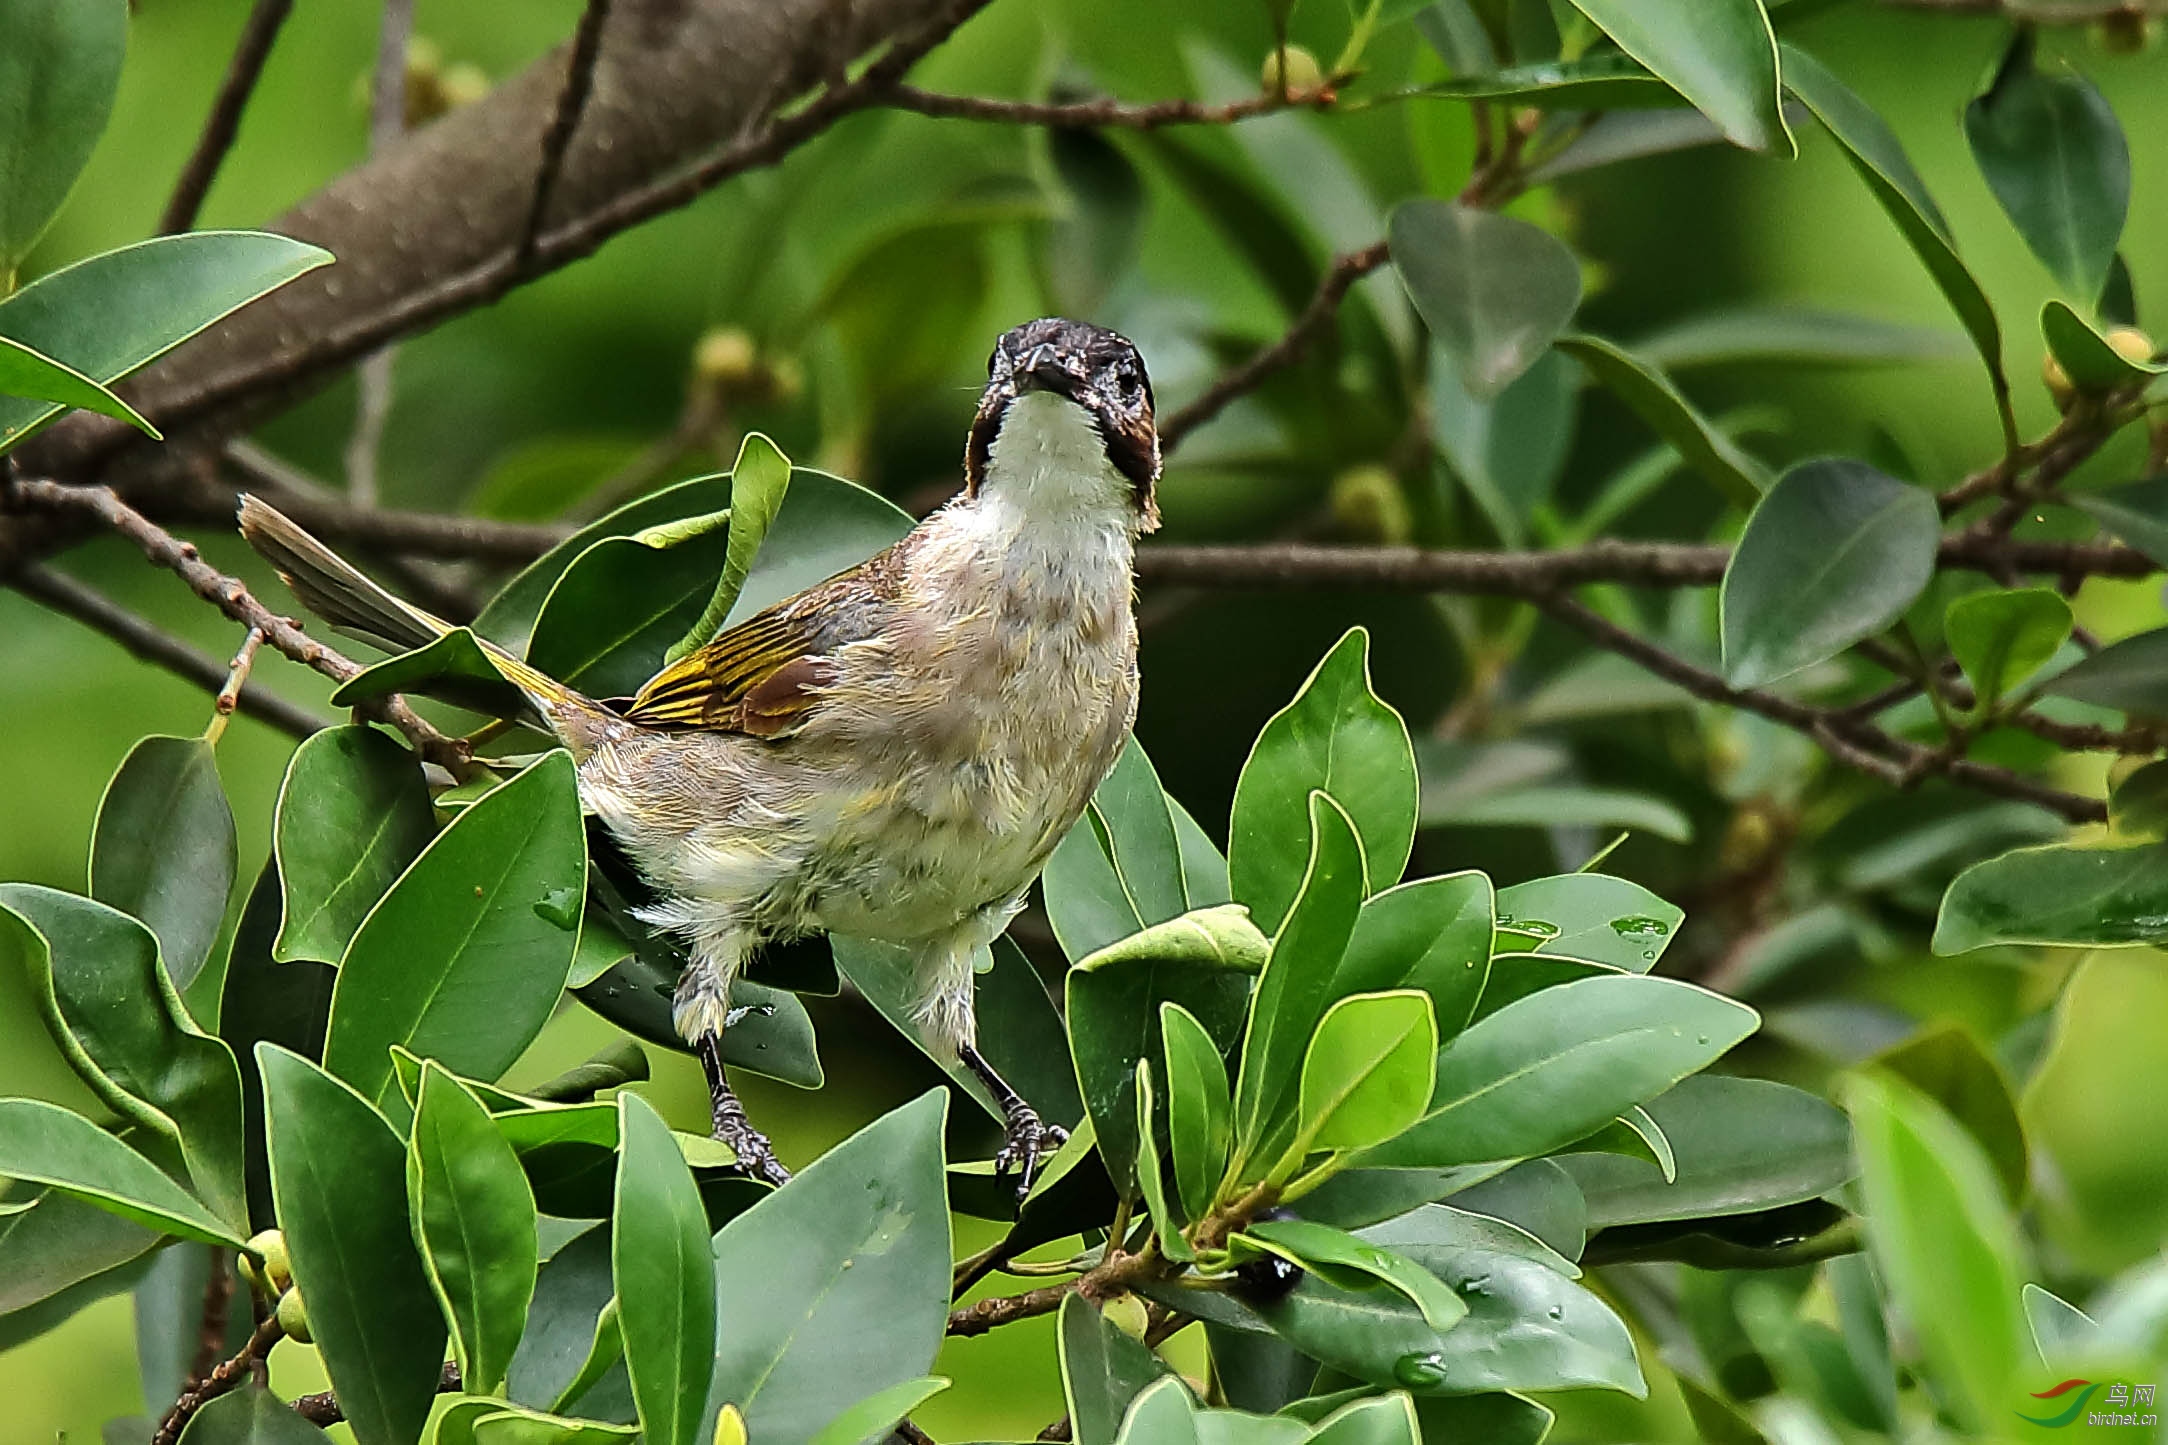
756, 1156
1029, 1141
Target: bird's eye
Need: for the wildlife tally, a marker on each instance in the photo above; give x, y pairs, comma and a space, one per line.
1132, 385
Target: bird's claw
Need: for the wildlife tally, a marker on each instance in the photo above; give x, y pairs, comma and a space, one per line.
756, 1156
1029, 1140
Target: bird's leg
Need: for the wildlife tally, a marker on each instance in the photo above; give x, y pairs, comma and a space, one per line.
1029, 1136
756, 1156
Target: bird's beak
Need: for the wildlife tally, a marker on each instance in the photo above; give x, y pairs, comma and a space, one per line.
1042, 369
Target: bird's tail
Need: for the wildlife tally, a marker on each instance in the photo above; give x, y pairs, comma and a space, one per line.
337, 591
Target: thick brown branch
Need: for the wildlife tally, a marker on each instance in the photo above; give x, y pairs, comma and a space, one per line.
258, 34
232, 597
228, 1374
71, 598
571, 100
1104, 113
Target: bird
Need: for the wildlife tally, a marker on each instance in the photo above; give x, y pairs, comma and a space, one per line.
891, 754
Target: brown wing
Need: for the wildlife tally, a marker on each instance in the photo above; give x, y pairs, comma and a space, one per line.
762, 677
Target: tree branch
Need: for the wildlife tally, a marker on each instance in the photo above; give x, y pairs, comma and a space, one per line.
232, 597
258, 34
322, 1408
228, 1374
65, 595
571, 100
1105, 113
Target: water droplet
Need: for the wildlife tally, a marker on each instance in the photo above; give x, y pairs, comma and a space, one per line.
1538, 928
1701, 1038
1419, 1371
1640, 926
1556, 1312
1649, 954
1475, 1284
560, 906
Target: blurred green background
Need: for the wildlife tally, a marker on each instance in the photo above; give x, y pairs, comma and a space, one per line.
877, 263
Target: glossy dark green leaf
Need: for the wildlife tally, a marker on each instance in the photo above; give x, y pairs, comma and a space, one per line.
1537, 1197
2091, 362
453, 668
474, 1220
1494, 291
1114, 1020
758, 481
1671, 416
1793, 336
353, 812
2002, 638
2137, 512
1340, 737
1352, 1264
1835, 553
2058, 894
1593, 82
57, 81
2138, 805
57, 1254
1552, 1067
1510, 451
287, 1003
1592, 916
842, 1274
250, 1416
611, 620
1722, 56
1369, 1070
571, 1294
1432, 934
1168, 1222
1102, 1371
119, 1021
664, 1276
169, 1321
1514, 976
338, 1173
2130, 676
1628, 135
1200, 1109
1163, 1414
614, 1065
110, 314
873, 1417
1875, 153
2055, 158
42, 1143
1950, 1067
29, 374
1120, 867
1743, 1145
1945, 1246
1204, 867
465, 957
1295, 988
163, 850
1382, 1420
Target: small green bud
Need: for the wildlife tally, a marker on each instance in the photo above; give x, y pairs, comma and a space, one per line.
1127, 1313
276, 1275
2130, 343
1304, 74
1367, 502
294, 1317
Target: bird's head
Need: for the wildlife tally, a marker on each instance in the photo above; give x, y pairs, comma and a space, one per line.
1064, 397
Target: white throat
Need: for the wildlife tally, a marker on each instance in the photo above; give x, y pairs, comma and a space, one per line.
1049, 463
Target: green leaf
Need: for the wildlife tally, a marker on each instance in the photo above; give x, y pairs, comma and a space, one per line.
58, 77
169, 1322
465, 957
1102, 1371
353, 813
474, 1221
758, 481
1534, 1200
163, 848
1089, 245
2093, 366
1946, 1248
1114, 1020
1835, 553
1494, 291
1653, 398
95, 977
1948, 1065
1514, 976
2055, 158
1119, 869
1878, 157
872, 1418
1559, 806
2002, 638
108, 315
2137, 512
1221, 937
1152, 1176
1388, 1420
250, 1416
1339, 737
338, 1173
2130, 676
1719, 54
611, 620
1200, 1111
1295, 988
2138, 805
1508, 452
1432, 934
1742, 1145
42, 1143
1591, 916
1163, 1414
58, 1253
2058, 894
260, 998
1369, 1070
1351, 1264
515, 1426
1635, 1135
1793, 336
2061, 1332
1550, 1068
1593, 82
28, 374
571, 1324
842, 1274
453, 668
664, 1276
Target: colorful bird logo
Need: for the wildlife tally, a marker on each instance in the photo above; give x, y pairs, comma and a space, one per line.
2077, 1406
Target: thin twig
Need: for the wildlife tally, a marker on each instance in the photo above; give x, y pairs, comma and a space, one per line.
231, 596
387, 122
228, 1374
564, 120
254, 47
229, 696
323, 1409
71, 598
1105, 113
217, 1311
